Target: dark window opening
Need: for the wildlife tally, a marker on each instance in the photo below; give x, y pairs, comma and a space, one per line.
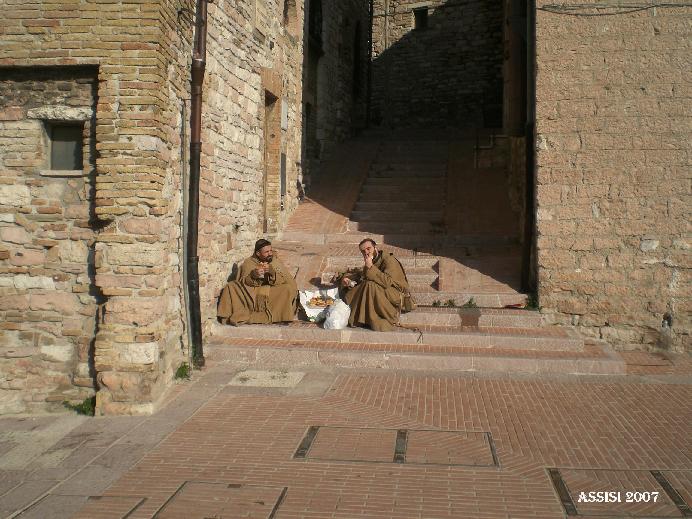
66, 142
420, 17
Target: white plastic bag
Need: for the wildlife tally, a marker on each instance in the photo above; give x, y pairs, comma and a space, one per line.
316, 314
337, 316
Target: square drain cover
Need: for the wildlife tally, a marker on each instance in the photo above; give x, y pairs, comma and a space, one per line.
622, 493
255, 378
449, 448
200, 500
412, 446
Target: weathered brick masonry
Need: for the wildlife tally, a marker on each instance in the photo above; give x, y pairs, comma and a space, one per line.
613, 157
448, 73
53, 345
48, 299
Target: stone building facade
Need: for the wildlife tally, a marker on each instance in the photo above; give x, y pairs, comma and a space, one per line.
437, 62
613, 172
94, 109
91, 258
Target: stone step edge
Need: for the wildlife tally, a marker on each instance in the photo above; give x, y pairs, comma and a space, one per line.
482, 339
297, 356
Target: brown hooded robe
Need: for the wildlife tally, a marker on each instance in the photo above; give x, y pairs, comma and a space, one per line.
259, 301
376, 301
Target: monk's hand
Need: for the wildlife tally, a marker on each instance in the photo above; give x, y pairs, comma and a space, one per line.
368, 261
345, 282
259, 272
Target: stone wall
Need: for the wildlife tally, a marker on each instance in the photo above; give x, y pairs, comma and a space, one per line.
247, 89
48, 300
613, 173
448, 74
133, 276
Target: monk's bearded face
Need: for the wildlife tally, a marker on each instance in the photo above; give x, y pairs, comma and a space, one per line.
368, 249
265, 254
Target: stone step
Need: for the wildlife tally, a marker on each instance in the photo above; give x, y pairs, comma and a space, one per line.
482, 317
412, 215
425, 198
422, 261
595, 359
481, 299
469, 245
402, 176
393, 227
413, 185
555, 339
401, 172
428, 279
394, 206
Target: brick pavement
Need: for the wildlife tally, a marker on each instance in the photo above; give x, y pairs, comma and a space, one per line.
347, 444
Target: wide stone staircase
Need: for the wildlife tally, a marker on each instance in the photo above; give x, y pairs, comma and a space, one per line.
440, 203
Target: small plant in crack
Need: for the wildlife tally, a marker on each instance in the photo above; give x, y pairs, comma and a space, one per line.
183, 371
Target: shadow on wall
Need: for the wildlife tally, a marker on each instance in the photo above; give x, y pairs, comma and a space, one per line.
438, 65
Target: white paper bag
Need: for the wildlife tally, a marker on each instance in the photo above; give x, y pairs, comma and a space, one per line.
317, 314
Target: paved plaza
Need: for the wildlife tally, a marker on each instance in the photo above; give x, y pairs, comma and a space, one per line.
238, 442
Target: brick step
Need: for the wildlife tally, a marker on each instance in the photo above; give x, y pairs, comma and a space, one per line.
559, 339
411, 215
595, 359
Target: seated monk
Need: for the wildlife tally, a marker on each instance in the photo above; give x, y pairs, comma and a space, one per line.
381, 296
264, 291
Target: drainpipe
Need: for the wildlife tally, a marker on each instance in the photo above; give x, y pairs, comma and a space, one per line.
199, 52
368, 94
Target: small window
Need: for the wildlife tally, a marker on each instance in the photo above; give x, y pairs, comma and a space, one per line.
420, 18
66, 143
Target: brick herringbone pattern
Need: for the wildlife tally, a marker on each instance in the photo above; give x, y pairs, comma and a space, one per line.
246, 439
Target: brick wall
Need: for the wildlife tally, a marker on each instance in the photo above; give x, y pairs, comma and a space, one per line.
235, 150
449, 74
140, 139
613, 177
48, 299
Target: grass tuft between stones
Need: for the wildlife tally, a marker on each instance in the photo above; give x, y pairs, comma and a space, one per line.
87, 407
183, 371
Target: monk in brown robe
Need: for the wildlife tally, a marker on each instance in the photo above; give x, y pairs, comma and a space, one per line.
264, 291
378, 300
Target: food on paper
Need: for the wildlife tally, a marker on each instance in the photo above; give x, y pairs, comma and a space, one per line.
320, 302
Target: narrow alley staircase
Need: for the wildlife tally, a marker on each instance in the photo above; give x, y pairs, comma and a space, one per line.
441, 204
